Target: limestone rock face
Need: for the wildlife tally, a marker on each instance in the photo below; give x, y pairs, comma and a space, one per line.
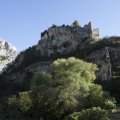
7, 54
103, 61
106, 60
64, 39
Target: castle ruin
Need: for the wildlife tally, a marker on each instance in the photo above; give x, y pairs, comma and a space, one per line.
64, 39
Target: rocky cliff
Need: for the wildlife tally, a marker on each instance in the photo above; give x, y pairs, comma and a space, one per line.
64, 41
7, 54
55, 42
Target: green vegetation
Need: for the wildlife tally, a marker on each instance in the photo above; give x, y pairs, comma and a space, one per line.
94, 113
75, 24
3, 58
113, 85
63, 90
67, 93
99, 45
80, 52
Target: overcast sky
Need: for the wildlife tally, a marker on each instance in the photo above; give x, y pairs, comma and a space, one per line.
22, 21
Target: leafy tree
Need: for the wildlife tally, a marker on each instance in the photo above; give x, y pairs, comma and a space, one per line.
16, 108
98, 98
64, 89
42, 95
68, 88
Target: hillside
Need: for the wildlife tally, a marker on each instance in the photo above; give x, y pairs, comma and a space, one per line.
19, 70
62, 42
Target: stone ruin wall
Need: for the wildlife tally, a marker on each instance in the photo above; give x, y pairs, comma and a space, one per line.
64, 39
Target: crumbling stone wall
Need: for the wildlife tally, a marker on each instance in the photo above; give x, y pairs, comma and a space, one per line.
64, 39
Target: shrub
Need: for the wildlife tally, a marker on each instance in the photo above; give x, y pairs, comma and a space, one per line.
75, 24
94, 113
16, 108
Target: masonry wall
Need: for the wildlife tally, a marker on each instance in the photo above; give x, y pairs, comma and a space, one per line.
64, 39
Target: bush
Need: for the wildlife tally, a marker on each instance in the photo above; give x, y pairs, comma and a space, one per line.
16, 108
97, 97
94, 113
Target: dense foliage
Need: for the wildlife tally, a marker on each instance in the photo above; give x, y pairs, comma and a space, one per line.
69, 88
94, 113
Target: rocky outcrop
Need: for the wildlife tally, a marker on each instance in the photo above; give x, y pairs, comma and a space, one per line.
7, 54
102, 58
56, 42
64, 39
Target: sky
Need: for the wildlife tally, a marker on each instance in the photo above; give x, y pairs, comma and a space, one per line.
22, 21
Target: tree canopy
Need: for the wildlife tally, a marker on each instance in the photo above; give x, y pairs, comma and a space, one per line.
68, 88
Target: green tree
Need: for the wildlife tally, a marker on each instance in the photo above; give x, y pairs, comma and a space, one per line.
68, 88
42, 95
16, 108
97, 97
64, 89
